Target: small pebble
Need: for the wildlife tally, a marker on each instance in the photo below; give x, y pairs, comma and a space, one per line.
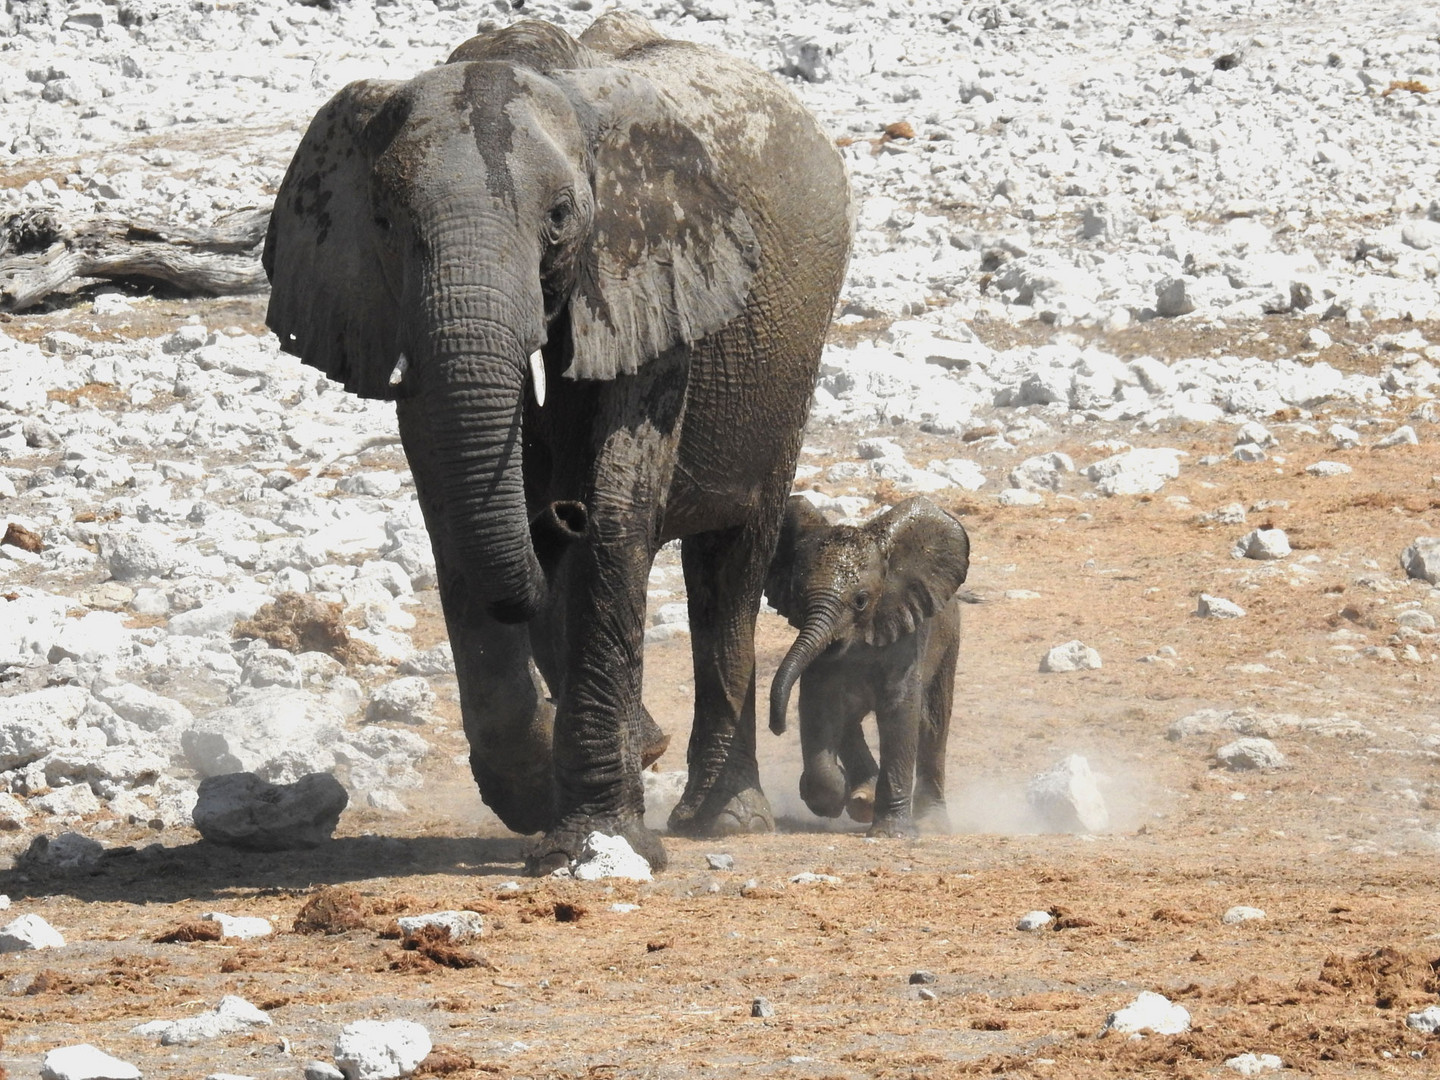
762, 1008
1035, 920
1240, 913
918, 978
720, 862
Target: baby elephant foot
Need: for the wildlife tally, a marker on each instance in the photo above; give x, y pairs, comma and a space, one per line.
565, 843
860, 803
896, 828
746, 811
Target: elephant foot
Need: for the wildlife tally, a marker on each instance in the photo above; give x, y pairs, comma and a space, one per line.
894, 828
746, 811
565, 843
860, 803
524, 800
934, 819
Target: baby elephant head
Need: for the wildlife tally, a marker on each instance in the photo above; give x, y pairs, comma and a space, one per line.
874, 583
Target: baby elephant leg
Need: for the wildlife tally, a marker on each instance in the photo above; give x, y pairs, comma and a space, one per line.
937, 699
860, 774
826, 713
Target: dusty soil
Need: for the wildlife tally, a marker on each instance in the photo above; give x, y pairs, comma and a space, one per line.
1339, 848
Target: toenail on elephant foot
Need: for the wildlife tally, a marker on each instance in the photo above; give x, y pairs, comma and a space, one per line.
860, 803
745, 812
565, 843
525, 802
893, 828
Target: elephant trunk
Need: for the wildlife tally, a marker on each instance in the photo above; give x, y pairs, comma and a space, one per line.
475, 391
821, 620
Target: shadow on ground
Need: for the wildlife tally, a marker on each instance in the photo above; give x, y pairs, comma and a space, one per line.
159, 874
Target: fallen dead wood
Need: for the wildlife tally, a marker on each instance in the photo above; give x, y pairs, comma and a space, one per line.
39, 256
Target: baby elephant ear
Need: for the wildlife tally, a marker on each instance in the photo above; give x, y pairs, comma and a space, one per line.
328, 300
927, 555
783, 583
671, 253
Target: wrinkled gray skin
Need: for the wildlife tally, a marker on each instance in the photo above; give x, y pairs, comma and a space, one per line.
879, 619
671, 228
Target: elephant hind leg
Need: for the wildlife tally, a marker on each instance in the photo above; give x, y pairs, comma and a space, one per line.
938, 699
724, 577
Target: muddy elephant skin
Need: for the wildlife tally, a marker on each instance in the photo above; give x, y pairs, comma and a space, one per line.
594, 274
878, 612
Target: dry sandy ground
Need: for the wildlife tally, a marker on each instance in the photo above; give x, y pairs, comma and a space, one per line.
1339, 848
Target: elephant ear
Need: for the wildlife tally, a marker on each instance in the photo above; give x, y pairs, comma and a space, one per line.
329, 302
671, 254
800, 530
927, 555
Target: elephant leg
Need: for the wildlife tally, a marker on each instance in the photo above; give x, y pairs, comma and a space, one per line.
938, 699
602, 731
724, 577
506, 717
860, 774
897, 718
829, 712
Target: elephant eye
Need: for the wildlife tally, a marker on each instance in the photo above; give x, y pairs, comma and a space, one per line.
558, 217
861, 601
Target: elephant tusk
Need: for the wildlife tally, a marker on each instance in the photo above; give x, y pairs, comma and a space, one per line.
401, 366
537, 376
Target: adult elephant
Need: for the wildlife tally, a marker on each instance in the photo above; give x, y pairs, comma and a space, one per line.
657, 232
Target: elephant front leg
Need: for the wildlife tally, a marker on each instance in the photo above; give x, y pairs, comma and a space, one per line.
602, 730
861, 773
897, 718
724, 576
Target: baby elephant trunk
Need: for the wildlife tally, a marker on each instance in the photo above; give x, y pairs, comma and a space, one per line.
815, 637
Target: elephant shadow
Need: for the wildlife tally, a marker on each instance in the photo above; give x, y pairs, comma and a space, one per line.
202, 870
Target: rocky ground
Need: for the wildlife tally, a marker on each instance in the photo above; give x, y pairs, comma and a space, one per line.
1148, 293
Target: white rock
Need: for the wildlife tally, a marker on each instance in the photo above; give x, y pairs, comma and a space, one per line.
138, 553
809, 878
1149, 1012
1042, 473
1253, 1064
1262, 544
1240, 913
1345, 438
145, 709
85, 1062
1071, 656
98, 636
1328, 468
1254, 432
1213, 607
610, 857
218, 615
1034, 920
67, 803
380, 1049
1426, 1020
437, 661
961, 472
1404, 435
1415, 619
243, 927
1250, 753
33, 724
408, 700
1135, 472
280, 735
231, 1015
1068, 799
463, 925
1019, 497
1248, 452
1421, 560
29, 932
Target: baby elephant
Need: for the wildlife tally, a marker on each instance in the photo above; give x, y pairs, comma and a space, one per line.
879, 619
